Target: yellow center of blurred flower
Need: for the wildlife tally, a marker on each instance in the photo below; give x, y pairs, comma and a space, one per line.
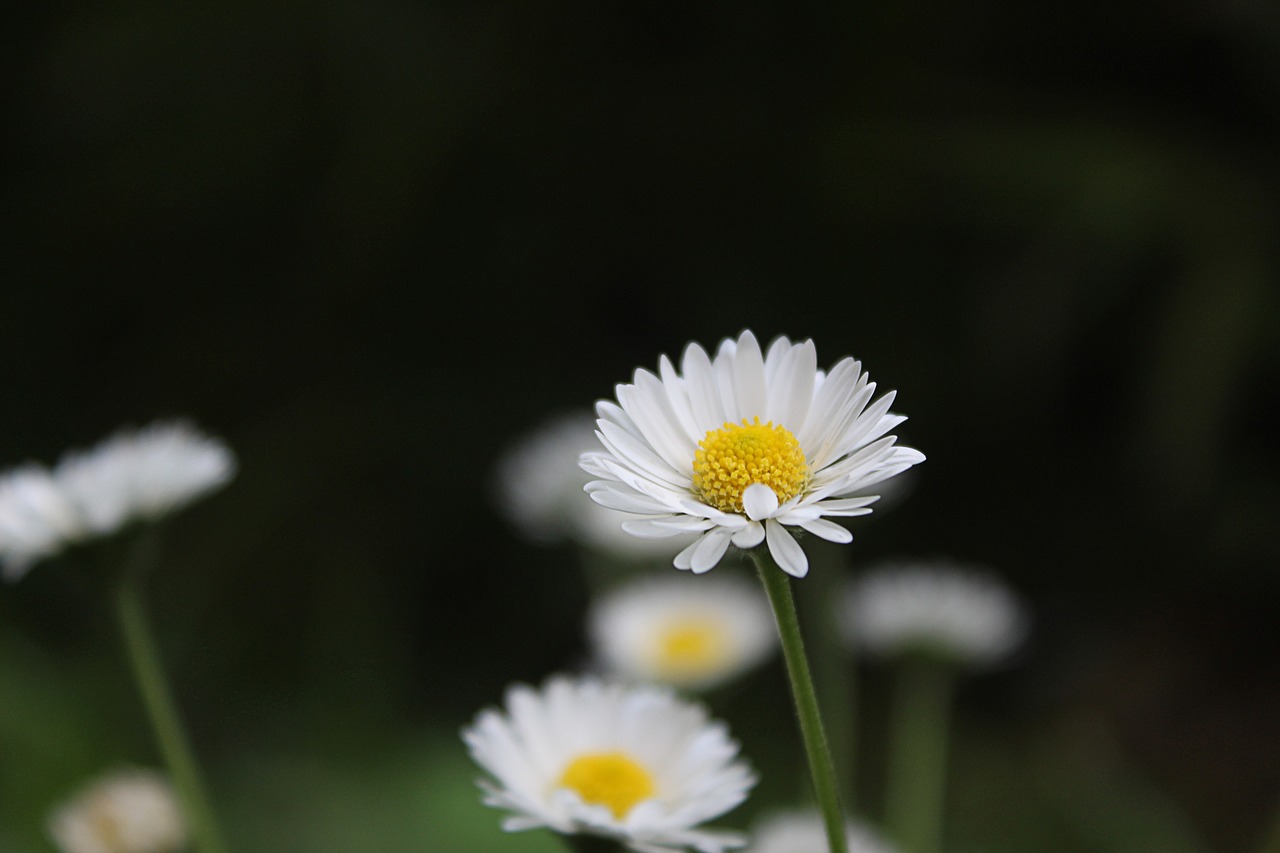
609, 779
688, 648
105, 825
733, 457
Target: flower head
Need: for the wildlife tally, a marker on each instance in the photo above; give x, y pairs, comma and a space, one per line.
539, 489
126, 811
804, 832
743, 448
692, 635
133, 475
634, 764
940, 608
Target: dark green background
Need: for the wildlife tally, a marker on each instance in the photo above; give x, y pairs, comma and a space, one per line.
371, 244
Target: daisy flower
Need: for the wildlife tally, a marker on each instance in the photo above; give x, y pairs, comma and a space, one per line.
538, 487
135, 475
803, 832
940, 608
634, 764
126, 811
744, 448
690, 635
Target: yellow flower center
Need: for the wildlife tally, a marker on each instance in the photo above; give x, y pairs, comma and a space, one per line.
609, 779
735, 456
690, 647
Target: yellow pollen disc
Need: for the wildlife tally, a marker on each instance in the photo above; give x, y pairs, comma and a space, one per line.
609, 779
691, 647
733, 457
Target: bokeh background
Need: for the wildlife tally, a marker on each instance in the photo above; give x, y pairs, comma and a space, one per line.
372, 244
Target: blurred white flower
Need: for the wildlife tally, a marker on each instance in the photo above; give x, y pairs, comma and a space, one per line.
134, 475
539, 488
939, 608
634, 764
690, 633
740, 448
125, 811
36, 519
804, 832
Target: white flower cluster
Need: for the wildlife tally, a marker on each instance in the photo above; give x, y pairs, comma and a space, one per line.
133, 475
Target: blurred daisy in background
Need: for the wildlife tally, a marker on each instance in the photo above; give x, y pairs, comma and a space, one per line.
738, 449
134, 475
125, 811
690, 634
937, 608
634, 764
802, 831
539, 488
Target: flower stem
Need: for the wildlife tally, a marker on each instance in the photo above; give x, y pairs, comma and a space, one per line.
836, 677
149, 676
778, 587
916, 786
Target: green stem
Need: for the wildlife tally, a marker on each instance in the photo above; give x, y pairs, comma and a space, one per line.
835, 676
778, 587
149, 675
916, 787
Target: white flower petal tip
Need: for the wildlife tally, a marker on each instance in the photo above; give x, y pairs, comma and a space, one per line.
938, 608
674, 630
800, 831
134, 475
126, 811
632, 763
745, 437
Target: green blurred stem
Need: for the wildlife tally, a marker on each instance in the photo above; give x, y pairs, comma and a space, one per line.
916, 786
149, 675
777, 585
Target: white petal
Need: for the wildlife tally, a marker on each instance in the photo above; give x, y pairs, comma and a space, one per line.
748, 378
749, 536
704, 396
684, 560
791, 391
710, 548
759, 501
828, 530
786, 550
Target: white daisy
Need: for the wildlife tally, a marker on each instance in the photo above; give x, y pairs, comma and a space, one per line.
634, 764
802, 831
740, 448
133, 475
126, 811
671, 630
939, 607
539, 487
